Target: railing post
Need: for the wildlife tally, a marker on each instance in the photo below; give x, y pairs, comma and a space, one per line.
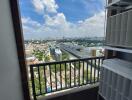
83, 74
74, 74
70, 75
65, 75
91, 80
79, 73
55, 78
87, 80
45, 81
33, 84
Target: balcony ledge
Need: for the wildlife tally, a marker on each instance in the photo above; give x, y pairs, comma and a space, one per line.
68, 91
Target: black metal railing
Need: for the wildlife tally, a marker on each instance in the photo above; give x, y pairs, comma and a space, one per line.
55, 76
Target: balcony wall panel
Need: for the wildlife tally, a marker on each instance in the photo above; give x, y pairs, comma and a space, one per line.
123, 28
113, 27
108, 30
121, 80
118, 29
129, 30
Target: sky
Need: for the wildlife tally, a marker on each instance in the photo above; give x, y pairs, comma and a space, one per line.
44, 19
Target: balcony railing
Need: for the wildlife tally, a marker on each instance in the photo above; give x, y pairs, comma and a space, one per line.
56, 76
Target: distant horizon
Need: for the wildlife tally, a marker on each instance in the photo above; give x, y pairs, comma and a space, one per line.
66, 38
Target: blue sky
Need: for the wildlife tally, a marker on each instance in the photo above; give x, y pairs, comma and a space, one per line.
62, 18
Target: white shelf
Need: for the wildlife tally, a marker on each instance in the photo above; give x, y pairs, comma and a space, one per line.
118, 49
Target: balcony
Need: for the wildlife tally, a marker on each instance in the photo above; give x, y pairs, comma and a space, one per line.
54, 78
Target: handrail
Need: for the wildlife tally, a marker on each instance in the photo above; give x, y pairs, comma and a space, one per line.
65, 61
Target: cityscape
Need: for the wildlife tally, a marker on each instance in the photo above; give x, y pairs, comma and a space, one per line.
44, 51
40, 51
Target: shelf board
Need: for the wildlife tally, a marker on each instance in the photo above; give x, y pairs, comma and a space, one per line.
118, 49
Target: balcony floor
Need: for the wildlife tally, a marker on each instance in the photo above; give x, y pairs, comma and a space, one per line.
87, 94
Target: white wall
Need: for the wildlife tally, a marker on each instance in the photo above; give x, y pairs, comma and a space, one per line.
10, 84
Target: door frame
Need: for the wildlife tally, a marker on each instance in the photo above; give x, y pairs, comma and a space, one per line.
18, 33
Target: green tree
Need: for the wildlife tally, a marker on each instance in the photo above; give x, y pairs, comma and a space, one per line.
41, 55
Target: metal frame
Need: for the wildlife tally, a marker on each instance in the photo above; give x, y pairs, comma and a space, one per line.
14, 7
89, 62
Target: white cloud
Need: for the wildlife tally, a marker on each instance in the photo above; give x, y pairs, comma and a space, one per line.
93, 26
47, 6
29, 22
58, 26
30, 28
55, 20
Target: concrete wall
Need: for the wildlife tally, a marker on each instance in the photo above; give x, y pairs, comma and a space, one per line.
10, 84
